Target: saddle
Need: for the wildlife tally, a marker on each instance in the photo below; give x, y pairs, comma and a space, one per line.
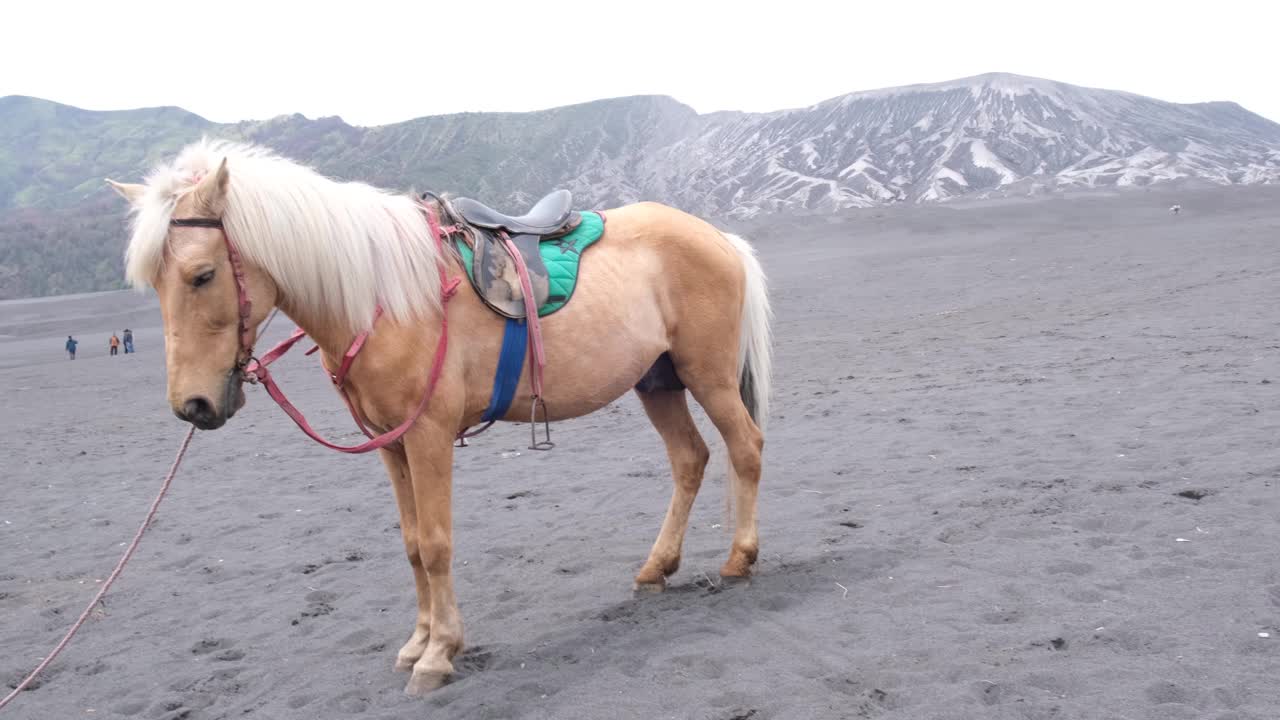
493, 273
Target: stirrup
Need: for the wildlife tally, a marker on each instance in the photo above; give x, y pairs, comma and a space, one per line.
545, 443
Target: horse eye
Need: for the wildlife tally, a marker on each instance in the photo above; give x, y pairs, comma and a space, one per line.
202, 279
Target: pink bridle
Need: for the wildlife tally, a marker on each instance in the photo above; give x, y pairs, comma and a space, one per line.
254, 369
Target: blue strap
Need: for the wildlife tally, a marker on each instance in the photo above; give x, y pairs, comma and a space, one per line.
510, 364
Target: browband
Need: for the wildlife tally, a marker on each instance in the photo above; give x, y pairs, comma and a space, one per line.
196, 222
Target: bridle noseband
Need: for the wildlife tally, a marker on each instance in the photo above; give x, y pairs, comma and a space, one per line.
245, 306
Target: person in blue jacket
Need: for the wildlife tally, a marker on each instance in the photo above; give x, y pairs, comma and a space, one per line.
71, 346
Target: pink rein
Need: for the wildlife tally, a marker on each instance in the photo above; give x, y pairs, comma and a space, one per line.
255, 369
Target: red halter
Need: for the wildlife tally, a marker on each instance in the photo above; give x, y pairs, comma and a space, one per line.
254, 370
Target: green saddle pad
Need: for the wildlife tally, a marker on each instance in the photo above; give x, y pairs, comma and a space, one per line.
561, 255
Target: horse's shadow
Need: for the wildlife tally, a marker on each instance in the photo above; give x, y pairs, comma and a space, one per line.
647, 626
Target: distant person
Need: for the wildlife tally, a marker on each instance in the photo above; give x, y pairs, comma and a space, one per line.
71, 347
128, 341
115, 345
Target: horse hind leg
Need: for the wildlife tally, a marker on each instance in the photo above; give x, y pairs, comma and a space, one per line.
723, 404
416, 645
668, 410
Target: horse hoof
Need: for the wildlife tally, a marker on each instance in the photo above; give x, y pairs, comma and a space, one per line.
405, 664
739, 563
735, 571
421, 683
650, 586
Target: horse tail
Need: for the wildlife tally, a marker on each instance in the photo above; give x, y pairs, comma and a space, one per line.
755, 353
755, 346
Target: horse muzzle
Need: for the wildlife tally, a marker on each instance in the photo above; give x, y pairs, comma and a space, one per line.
199, 411
207, 414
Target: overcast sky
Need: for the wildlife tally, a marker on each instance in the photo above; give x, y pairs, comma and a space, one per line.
376, 62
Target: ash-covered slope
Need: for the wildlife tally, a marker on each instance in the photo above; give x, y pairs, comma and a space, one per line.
988, 133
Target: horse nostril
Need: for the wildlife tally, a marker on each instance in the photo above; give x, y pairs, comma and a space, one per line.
198, 411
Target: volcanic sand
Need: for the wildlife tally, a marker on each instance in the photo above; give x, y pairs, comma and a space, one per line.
1023, 463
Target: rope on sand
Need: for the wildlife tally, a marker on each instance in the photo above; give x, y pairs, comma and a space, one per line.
128, 553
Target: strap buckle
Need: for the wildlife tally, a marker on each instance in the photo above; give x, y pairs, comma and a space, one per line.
250, 370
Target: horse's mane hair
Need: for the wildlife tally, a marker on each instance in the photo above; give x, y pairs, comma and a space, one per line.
334, 247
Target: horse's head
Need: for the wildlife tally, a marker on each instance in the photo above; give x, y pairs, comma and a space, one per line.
199, 297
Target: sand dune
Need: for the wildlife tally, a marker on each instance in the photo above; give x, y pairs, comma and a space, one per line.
1023, 464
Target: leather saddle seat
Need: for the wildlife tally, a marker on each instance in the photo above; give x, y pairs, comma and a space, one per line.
493, 272
546, 217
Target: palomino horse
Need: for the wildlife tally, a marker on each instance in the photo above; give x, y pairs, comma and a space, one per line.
227, 232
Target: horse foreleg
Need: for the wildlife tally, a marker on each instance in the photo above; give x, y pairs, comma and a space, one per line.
669, 412
398, 468
429, 450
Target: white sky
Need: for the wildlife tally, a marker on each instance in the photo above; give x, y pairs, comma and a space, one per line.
375, 62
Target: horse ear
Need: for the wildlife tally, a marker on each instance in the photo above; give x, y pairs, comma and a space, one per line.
129, 191
211, 194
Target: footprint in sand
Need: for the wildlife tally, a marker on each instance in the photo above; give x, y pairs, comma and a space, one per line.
352, 702
172, 710
523, 694
988, 693
209, 645
92, 668
472, 660
571, 570
319, 604
867, 702
357, 639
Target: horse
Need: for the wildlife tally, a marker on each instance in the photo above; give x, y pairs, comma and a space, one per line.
666, 303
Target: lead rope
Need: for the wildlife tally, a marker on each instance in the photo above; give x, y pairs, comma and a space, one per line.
262, 331
128, 553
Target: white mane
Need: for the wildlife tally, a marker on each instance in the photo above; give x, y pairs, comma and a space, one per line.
340, 248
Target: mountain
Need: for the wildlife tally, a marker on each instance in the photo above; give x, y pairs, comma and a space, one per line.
993, 134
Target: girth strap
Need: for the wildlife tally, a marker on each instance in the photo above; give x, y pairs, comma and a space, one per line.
515, 335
